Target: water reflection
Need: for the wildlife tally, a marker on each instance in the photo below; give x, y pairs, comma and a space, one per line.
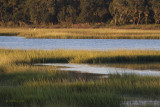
141, 103
101, 69
147, 66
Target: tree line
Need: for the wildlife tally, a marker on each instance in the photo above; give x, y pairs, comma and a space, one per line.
117, 12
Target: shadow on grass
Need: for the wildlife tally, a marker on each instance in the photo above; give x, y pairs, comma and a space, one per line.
97, 60
51, 60
19, 78
123, 59
8, 34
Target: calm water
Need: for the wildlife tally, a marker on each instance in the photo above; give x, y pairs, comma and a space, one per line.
141, 103
101, 69
86, 44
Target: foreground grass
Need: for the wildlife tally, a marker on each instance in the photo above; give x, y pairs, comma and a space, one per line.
23, 84
101, 33
58, 88
43, 86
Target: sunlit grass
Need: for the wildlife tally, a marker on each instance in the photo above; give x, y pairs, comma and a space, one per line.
78, 56
101, 33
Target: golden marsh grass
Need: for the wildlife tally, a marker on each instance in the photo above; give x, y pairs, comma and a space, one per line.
72, 33
78, 56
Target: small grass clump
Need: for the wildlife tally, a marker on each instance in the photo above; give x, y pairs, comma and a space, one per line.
101, 33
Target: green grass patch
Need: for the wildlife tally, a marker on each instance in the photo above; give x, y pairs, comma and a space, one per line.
56, 91
58, 96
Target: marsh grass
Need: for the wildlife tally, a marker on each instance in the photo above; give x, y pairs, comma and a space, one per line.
140, 26
78, 56
41, 86
59, 96
63, 92
136, 85
24, 84
101, 33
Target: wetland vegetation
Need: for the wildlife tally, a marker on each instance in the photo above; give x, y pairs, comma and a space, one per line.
71, 33
23, 83
79, 56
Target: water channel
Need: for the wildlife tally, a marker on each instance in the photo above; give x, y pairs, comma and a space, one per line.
15, 42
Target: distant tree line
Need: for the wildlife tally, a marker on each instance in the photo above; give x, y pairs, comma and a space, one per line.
117, 12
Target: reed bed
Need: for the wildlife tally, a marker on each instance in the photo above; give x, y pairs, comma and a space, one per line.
71, 33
